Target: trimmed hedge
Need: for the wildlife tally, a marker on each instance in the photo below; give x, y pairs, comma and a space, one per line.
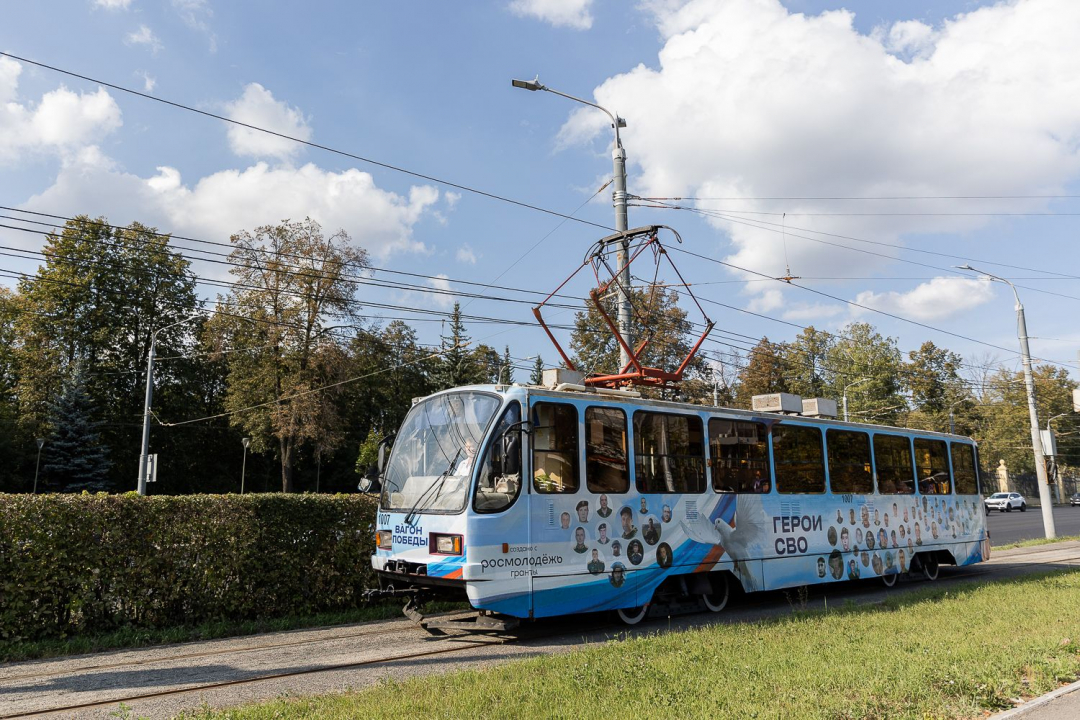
74, 564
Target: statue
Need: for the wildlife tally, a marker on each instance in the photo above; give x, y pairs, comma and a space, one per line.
1002, 477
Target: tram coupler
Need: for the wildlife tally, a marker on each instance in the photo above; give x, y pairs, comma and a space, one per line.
382, 593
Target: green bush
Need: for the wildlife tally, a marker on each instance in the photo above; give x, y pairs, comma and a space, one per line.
72, 564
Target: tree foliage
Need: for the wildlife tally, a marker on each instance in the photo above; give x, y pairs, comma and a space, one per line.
277, 325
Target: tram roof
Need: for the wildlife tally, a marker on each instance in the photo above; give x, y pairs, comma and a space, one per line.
668, 405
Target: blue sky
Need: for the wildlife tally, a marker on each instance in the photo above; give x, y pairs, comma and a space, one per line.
739, 99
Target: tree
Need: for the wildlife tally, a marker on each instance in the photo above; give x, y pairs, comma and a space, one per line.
75, 452
506, 368
101, 293
861, 352
537, 376
765, 372
932, 377
292, 283
806, 361
659, 320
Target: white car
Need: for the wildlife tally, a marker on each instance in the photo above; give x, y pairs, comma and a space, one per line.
1005, 502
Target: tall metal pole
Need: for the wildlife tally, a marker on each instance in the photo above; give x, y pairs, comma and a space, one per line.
144, 454
37, 466
618, 199
243, 467
1036, 437
1033, 411
146, 414
618, 156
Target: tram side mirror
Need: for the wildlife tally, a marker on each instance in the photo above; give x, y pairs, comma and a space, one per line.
370, 482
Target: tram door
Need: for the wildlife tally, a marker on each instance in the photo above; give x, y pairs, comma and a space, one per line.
500, 523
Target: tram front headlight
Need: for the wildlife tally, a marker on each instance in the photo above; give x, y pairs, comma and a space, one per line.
441, 544
384, 539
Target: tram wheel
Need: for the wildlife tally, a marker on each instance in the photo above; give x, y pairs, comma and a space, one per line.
717, 600
890, 579
930, 567
632, 616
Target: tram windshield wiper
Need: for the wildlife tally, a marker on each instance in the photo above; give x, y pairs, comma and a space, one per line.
435, 486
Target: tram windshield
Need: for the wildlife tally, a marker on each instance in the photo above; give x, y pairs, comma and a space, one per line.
435, 452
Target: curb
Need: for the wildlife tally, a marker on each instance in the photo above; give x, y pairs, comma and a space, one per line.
1037, 702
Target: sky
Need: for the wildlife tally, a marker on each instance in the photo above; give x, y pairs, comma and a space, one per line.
864, 147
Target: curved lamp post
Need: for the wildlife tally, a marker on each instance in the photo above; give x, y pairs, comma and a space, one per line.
618, 156
1033, 412
860, 381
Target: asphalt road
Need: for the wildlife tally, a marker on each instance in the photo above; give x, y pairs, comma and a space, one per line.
1007, 528
220, 673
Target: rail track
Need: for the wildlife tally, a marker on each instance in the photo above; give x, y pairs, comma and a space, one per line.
457, 644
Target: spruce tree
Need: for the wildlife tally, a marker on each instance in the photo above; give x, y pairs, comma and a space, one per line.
506, 372
74, 452
537, 377
458, 366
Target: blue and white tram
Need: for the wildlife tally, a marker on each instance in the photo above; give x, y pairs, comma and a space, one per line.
534, 502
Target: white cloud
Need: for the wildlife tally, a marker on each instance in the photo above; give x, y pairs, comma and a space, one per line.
560, 13
257, 106
451, 198
939, 298
113, 4
228, 201
61, 122
748, 100
810, 312
145, 36
465, 254
442, 299
196, 15
149, 82
767, 301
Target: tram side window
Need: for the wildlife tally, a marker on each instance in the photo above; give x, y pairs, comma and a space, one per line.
798, 459
499, 480
849, 462
965, 471
669, 453
606, 470
555, 448
739, 454
932, 464
895, 468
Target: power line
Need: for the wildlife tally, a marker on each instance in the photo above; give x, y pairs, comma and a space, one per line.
326, 148
883, 197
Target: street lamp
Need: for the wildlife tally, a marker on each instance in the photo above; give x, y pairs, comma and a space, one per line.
37, 466
149, 399
243, 468
1033, 412
851, 385
618, 156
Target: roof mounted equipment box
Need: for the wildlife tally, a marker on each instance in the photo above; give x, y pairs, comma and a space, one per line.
777, 402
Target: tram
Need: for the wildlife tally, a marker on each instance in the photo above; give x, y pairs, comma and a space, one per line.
534, 502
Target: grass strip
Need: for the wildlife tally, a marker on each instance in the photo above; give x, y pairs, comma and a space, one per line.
1036, 542
142, 637
935, 653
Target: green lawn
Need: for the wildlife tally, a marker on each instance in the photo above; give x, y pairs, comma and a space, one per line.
1035, 542
931, 654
